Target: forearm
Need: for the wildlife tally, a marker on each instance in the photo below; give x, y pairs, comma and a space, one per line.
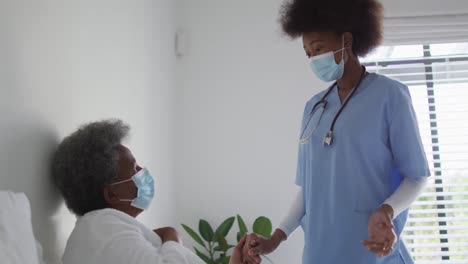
408, 192
293, 217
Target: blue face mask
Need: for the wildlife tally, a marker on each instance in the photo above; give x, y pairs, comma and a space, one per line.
325, 67
144, 182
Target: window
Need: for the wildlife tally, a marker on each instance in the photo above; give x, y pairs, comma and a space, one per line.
437, 76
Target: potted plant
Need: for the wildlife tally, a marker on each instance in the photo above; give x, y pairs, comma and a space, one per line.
214, 244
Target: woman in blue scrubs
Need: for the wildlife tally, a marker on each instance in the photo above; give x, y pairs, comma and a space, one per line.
361, 162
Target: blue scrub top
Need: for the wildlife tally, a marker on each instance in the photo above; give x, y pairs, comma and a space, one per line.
376, 143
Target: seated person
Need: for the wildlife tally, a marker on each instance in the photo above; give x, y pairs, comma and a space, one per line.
105, 187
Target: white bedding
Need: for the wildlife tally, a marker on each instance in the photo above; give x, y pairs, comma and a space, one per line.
17, 242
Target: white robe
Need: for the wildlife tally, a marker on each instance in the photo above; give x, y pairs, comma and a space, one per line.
109, 236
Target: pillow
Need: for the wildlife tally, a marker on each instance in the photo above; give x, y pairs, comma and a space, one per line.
40, 255
17, 242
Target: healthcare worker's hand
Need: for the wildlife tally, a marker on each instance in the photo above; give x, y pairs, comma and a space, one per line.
261, 246
236, 257
382, 235
168, 234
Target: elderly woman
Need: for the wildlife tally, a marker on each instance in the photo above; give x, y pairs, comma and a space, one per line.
105, 187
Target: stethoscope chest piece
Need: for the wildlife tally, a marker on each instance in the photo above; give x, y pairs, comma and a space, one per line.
328, 140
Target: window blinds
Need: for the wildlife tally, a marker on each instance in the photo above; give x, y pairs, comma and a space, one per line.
430, 29
425, 21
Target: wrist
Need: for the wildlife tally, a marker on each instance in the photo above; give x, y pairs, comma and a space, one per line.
278, 236
171, 237
388, 209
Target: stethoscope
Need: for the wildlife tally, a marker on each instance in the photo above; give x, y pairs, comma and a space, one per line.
328, 140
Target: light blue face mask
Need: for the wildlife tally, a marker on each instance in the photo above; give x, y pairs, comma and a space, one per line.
144, 182
325, 68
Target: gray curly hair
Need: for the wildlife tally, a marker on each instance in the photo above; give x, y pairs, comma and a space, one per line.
86, 161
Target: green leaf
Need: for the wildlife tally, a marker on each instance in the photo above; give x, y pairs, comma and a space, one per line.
225, 227
223, 260
223, 245
194, 235
204, 257
217, 248
239, 237
242, 227
263, 226
205, 230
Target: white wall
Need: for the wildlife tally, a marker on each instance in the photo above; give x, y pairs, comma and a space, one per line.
64, 63
241, 92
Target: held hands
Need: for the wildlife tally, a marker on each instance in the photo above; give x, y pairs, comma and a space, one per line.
257, 245
382, 235
240, 252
